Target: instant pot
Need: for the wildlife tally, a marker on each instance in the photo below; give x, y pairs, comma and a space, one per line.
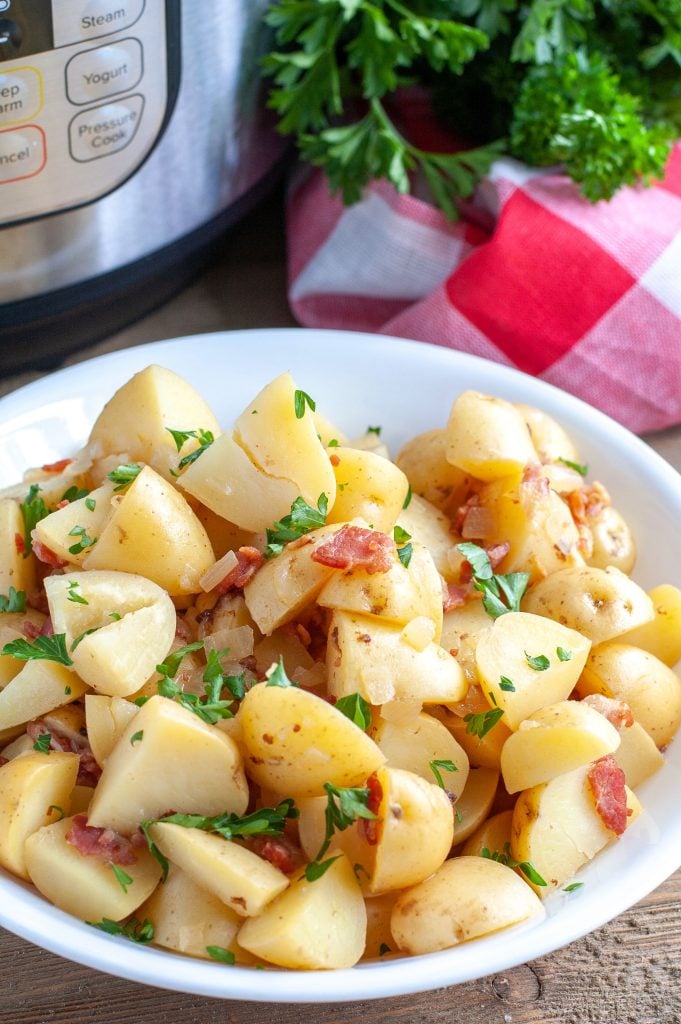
132, 133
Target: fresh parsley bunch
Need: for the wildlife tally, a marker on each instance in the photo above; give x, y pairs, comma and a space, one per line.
594, 85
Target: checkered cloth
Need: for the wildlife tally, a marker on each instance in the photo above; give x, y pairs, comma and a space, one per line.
534, 276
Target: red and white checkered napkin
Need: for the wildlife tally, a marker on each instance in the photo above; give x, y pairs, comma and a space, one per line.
586, 297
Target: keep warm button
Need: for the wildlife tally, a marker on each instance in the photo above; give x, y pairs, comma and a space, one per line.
105, 130
108, 70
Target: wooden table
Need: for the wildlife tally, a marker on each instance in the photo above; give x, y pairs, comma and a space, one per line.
626, 973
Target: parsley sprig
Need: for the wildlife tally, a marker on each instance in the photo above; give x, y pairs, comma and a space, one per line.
136, 931
33, 509
344, 805
209, 707
479, 725
404, 549
180, 437
43, 648
356, 708
504, 857
13, 601
500, 594
301, 520
124, 475
445, 765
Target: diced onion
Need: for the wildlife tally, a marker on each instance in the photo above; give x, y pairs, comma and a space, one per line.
217, 572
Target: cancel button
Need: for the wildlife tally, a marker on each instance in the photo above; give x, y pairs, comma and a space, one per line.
102, 131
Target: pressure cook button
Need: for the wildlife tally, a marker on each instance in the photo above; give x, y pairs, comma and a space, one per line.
106, 71
106, 129
95, 18
22, 153
21, 95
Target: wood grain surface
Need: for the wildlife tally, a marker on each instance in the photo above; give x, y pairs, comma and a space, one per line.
628, 972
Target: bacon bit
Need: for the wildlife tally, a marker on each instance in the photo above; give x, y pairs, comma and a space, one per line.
334, 460
368, 827
47, 629
303, 634
462, 512
279, 851
606, 780
100, 842
535, 481
249, 561
454, 596
89, 771
19, 544
588, 502
355, 547
617, 712
63, 503
47, 555
30, 629
496, 554
56, 467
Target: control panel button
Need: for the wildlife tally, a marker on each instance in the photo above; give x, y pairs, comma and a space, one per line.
22, 153
21, 95
108, 70
93, 18
106, 129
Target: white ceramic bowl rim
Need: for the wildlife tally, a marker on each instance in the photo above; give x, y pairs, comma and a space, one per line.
357, 379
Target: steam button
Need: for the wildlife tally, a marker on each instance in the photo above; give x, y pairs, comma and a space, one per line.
106, 71
78, 21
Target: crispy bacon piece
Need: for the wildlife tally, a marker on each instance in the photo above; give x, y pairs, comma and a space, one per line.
100, 842
368, 827
30, 629
355, 547
249, 561
56, 467
535, 480
47, 555
462, 512
88, 769
19, 544
588, 502
279, 851
63, 503
617, 712
454, 596
606, 780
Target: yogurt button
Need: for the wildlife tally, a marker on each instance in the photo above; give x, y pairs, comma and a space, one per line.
94, 74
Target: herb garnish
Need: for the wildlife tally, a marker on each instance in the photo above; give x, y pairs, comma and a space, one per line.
124, 475
33, 509
204, 437
278, 677
42, 743
136, 737
405, 550
300, 400
15, 601
506, 684
578, 467
74, 593
540, 663
122, 877
573, 886
44, 648
83, 542
136, 931
301, 520
479, 725
58, 809
343, 807
74, 494
505, 858
447, 766
316, 868
500, 594
90, 504
225, 956
563, 654
81, 636
407, 500
209, 708
356, 708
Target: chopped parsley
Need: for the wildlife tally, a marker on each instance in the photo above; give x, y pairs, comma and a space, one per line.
278, 677
446, 766
42, 744
301, 520
540, 663
74, 593
356, 708
563, 654
300, 400
136, 737
343, 807
33, 509
407, 500
316, 868
124, 475
14, 601
136, 931
73, 494
578, 467
43, 648
81, 636
204, 437
90, 504
214, 676
500, 594
504, 857
404, 550
58, 810
82, 543
123, 879
479, 725
225, 956
383, 949
374, 430
506, 684
573, 886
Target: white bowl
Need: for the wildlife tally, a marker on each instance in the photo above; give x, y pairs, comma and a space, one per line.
407, 387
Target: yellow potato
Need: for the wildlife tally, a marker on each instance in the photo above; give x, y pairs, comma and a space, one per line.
34, 789
15, 570
506, 674
107, 719
379, 940
284, 445
461, 630
415, 745
83, 885
550, 440
662, 635
120, 654
432, 528
482, 752
400, 594
9, 666
296, 742
554, 740
613, 541
312, 833
637, 755
492, 835
600, 603
467, 898
312, 925
424, 461
487, 437
242, 880
415, 830
55, 530
650, 688
372, 657
41, 686
154, 532
475, 803
368, 486
158, 772
187, 917
137, 418
557, 829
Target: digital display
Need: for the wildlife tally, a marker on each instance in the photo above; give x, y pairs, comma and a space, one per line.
25, 28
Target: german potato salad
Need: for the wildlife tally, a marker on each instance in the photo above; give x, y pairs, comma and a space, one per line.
272, 698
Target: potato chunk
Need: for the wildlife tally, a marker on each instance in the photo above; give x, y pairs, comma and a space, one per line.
662, 635
424, 461
40, 686
508, 670
487, 437
313, 925
107, 718
158, 772
466, 898
33, 788
296, 742
91, 513
368, 486
416, 745
15, 570
85, 885
239, 878
554, 740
